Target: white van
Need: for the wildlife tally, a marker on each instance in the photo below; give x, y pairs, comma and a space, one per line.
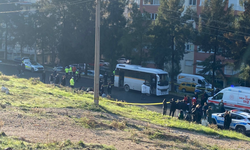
190, 78
233, 97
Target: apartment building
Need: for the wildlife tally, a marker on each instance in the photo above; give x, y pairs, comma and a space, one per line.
194, 54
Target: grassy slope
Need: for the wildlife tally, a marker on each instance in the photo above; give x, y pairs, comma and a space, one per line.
33, 93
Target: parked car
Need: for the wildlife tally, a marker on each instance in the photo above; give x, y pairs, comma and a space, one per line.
240, 121
122, 61
58, 69
32, 65
187, 87
91, 73
103, 63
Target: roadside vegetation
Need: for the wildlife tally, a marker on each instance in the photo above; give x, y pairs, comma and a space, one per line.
34, 96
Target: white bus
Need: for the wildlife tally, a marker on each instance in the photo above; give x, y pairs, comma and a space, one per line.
131, 77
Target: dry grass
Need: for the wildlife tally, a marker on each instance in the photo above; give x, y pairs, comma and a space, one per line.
119, 125
4, 77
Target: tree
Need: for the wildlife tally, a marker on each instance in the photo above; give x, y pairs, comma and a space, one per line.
169, 35
7, 18
240, 41
112, 29
135, 37
214, 22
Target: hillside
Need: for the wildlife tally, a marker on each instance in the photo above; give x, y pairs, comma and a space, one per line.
39, 116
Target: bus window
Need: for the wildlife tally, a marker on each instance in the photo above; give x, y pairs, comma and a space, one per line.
163, 79
117, 72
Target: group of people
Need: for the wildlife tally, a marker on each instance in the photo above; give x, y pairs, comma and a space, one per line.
73, 71
190, 109
105, 86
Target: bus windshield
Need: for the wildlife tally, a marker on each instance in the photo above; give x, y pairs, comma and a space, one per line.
164, 79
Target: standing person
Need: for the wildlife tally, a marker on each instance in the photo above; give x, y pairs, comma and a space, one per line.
164, 107
221, 107
227, 120
70, 70
57, 79
193, 111
66, 71
204, 98
194, 101
172, 107
109, 88
105, 78
74, 70
102, 90
51, 78
77, 75
209, 114
43, 76
185, 99
63, 81
204, 110
196, 96
199, 114
72, 82
23, 68
19, 69
189, 104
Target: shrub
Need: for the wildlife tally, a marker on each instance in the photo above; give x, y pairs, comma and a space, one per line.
118, 125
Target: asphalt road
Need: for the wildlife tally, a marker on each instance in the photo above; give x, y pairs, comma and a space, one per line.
117, 93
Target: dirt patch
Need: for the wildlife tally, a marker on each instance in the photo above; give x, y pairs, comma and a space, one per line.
38, 125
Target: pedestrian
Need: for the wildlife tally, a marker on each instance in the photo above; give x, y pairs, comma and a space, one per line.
72, 82
54, 73
102, 90
105, 78
204, 98
112, 78
196, 96
204, 110
194, 100
63, 81
109, 88
193, 112
199, 114
66, 71
43, 76
185, 99
70, 70
77, 75
172, 107
189, 104
19, 69
57, 79
145, 90
74, 70
164, 107
221, 107
209, 114
227, 120
51, 78
23, 68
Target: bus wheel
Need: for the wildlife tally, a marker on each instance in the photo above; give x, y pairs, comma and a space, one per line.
126, 88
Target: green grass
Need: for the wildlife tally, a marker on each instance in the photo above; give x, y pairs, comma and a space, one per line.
32, 93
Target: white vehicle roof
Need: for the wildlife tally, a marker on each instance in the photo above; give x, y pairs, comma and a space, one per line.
191, 75
141, 69
242, 113
237, 89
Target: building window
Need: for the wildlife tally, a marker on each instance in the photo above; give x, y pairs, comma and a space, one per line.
151, 2
188, 62
153, 16
192, 2
229, 70
189, 47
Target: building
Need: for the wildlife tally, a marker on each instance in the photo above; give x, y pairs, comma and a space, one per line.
194, 55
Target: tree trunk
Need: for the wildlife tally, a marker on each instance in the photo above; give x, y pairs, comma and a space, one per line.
214, 59
172, 68
6, 42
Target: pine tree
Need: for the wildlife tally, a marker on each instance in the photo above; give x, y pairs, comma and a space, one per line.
170, 33
215, 21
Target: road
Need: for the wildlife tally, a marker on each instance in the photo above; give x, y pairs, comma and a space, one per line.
119, 94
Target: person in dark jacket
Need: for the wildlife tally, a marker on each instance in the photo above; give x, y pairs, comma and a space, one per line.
44, 76
51, 78
204, 98
209, 114
23, 68
221, 107
196, 96
172, 107
102, 90
193, 112
63, 81
164, 107
19, 69
105, 77
198, 114
181, 115
204, 110
227, 120
57, 79
109, 88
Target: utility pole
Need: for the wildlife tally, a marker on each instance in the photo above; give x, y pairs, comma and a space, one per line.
97, 53
172, 67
